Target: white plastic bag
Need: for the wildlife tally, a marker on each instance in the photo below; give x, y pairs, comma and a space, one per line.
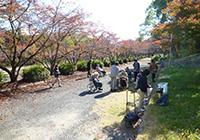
149, 90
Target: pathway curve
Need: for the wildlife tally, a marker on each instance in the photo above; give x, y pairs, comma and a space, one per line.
54, 113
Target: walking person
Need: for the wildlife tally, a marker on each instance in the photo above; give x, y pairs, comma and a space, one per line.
136, 68
57, 76
142, 89
113, 74
153, 69
89, 68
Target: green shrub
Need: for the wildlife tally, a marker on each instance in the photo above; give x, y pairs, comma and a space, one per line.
125, 60
35, 73
113, 62
82, 66
164, 57
155, 57
2, 78
67, 68
107, 63
95, 62
120, 61
130, 59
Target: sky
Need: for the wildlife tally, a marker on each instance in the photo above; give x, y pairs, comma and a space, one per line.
122, 17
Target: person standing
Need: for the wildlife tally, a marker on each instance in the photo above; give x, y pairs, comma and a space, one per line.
153, 69
57, 76
113, 74
89, 68
136, 68
129, 72
142, 88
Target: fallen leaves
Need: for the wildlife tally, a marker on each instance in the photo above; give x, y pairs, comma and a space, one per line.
2, 118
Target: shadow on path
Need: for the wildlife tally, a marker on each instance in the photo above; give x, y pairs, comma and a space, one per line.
88, 93
102, 95
41, 90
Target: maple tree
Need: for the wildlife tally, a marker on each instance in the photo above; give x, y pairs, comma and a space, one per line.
24, 23
58, 46
184, 25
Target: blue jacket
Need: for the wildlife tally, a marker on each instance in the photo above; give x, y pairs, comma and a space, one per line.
142, 83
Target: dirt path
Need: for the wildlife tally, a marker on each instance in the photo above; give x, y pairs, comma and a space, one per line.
55, 113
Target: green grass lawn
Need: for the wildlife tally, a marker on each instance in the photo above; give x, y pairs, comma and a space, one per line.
180, 119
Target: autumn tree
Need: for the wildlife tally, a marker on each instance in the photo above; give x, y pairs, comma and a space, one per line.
24, 23
58, 47
154, 16
184, 27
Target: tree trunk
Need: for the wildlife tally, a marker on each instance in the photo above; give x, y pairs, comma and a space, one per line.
13, 77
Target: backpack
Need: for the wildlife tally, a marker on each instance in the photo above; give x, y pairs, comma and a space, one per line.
123, 82
131, 118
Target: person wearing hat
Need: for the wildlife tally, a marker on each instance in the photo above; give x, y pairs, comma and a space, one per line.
97, 83
113, 74
136, 68
142, 88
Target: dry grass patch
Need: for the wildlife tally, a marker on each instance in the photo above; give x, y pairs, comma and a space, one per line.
112, 108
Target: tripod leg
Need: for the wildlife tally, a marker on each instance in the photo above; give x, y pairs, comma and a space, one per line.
126, 101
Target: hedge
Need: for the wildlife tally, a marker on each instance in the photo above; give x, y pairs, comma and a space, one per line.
120, 61
82, 66
95, 62
67, 68
107, 63
35, 73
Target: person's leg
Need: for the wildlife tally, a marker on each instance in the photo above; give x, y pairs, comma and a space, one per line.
55, 81
104, 73
153, 77
59, 83
100, 85
115, 83
141, 100
135, 75
112, 83
89, 74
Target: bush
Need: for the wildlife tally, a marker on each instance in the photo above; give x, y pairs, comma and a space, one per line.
164, 57
82, 66
67, 68
125, 60
2, 78
95, 62
120, 61
156, 57
130, 59
113, 62
35, 73
107, 63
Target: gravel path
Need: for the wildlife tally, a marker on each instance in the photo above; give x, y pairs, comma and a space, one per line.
59, 113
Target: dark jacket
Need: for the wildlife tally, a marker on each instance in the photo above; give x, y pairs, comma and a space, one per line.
88, 65
136, 66
56, 72
142, 83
